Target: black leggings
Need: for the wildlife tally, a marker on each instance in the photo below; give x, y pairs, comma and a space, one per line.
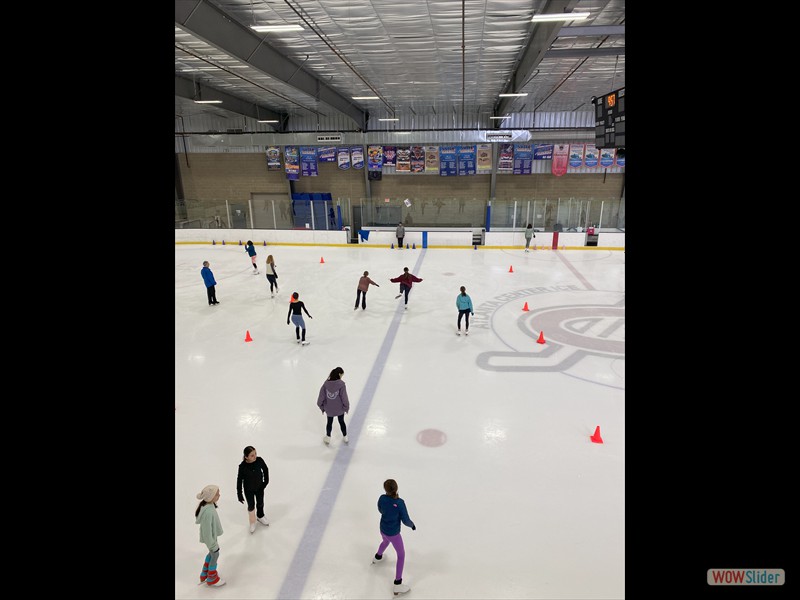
329, 426
463, 313
400, 242
404, 289
272, 281
363, 299
255, 500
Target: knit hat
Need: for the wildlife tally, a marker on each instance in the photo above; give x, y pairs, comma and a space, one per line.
208, 493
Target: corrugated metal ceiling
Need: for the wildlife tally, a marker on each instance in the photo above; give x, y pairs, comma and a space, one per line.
408, 52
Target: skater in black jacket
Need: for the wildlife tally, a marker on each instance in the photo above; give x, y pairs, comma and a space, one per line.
251, 482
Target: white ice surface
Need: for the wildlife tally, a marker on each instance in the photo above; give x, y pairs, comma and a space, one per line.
516, 503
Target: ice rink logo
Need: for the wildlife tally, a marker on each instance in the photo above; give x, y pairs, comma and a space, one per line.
583, 339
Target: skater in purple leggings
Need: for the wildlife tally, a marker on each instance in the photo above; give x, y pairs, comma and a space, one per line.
393, 511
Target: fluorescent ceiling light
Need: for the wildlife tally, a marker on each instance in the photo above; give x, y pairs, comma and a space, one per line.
511, 95
560, 16
270, 121
402, 132
388, 119
208, 101
262, 28
499, 117
365, 98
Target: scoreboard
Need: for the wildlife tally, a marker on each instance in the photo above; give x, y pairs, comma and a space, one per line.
609, 119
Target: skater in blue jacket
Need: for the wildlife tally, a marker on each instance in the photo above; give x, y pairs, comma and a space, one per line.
464, 306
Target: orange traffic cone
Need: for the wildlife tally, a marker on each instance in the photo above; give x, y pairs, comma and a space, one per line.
596, 437
247, 338
541, 338
525, 307
321, 260
511, 269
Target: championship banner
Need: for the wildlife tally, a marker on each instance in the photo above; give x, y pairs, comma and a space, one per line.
607, 157
390, 156
466, 160
374, 158
505, 158
291, 162
431, 159
590, 158
417, 159
560, 159
484, 158
343, 158
448, 165
576, 155
326, 154
523, 159
358, 156
543, 152
403, 159
273, 158
620, 159
308, 161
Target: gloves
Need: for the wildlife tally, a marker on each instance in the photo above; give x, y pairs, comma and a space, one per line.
473, 314
413, 528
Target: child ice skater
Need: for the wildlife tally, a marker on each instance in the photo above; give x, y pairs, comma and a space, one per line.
251, 250
272, 275
393, 511
295, 306
333, 402
251, 481
464, 306
363, 286
210, 528
208, 279
406, 280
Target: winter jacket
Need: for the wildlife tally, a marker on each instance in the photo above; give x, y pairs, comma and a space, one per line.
252, 476
250, 249
464, 302
332, 399
210, 526
529, 233
400, 232
363, 283
208, 277
406, 278
393, 510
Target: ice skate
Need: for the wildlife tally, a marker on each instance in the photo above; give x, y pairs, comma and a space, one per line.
466, 332
458, 332
345, 440
305, 343
377, 558
263, 520
253, 527
398, 295
401, 588
327, 440
218, 583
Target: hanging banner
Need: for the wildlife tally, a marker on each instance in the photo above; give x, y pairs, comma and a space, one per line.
576, 155
291, 162
505, 158
390, 156
543, 152
590, 158
357, 153
273, 158
374, 158
326, 154
466, 160
560, 159
607, 157
484, 158
621, 158
343, 158
308, 161
431, 159
403, 159
523, 159
448, 165
417, 159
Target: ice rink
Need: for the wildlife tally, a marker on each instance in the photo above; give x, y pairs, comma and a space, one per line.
486, 435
